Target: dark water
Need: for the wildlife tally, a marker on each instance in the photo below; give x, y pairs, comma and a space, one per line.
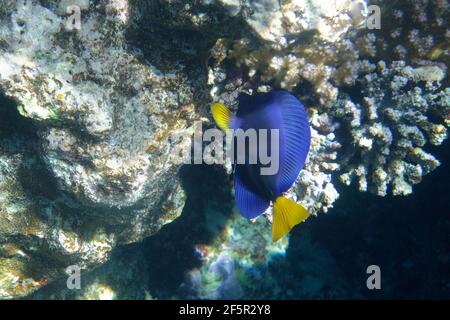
408, 237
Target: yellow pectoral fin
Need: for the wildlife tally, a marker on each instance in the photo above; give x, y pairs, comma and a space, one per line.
286, 214
221, 115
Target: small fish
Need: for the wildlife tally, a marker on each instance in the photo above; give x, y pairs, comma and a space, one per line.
255, 192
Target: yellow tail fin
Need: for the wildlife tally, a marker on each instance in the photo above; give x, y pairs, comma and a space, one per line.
286, 214
221, 115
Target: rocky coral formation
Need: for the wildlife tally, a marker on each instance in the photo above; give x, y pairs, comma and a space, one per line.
124, 108
103, 118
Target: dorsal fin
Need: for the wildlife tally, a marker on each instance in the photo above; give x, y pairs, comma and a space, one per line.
248, 104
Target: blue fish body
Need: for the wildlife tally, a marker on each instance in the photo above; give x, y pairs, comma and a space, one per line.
275, 110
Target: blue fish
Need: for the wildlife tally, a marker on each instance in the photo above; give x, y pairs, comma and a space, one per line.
255, 192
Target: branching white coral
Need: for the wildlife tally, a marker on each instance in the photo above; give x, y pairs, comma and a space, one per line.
391, 126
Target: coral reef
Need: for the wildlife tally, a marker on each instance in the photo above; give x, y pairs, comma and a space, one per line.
103, 101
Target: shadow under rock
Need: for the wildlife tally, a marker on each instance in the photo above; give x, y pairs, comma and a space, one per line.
14, 126
124, 274
171, 252
165, 33
18, 135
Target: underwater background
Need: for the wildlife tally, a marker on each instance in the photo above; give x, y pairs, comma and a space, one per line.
327, 258
92, 93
